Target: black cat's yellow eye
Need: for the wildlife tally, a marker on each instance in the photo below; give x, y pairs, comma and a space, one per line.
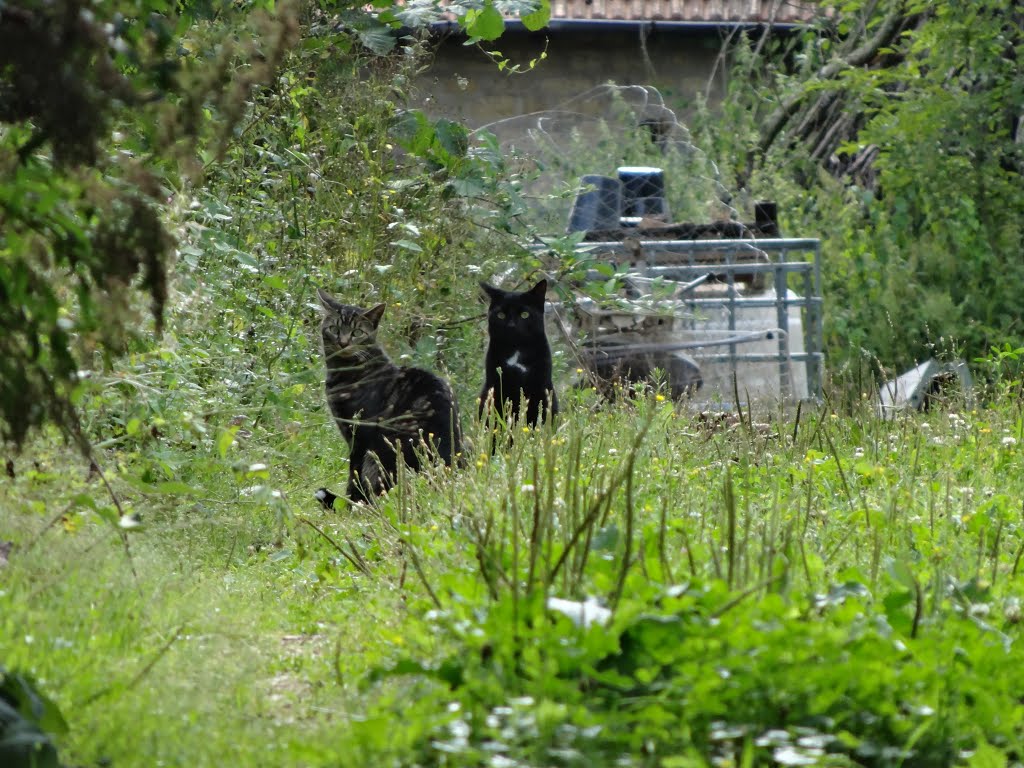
501, 315
524, 315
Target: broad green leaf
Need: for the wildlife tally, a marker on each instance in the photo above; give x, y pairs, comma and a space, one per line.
109, 514
987, 756
408, 245
539, 18
226, 440
901, 574
452, 136
379, 39
488, 24
895, 604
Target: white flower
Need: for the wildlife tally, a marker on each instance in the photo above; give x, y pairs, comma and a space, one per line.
1008, 441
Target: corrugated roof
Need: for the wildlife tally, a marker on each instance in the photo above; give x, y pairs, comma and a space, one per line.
720, 11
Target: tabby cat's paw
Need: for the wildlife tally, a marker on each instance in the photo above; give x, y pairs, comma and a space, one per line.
326, 498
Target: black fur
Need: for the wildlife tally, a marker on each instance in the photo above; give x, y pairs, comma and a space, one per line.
378, 405
518, 362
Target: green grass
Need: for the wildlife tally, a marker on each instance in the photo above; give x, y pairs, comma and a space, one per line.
230, 631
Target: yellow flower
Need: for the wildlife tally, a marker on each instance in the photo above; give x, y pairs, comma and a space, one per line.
660, 398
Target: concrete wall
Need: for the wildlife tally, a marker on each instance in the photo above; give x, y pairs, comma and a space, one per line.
466, 85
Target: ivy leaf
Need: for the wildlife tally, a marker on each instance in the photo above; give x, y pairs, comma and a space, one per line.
539, 18
488, 24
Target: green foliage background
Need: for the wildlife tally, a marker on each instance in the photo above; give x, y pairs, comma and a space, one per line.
923, 242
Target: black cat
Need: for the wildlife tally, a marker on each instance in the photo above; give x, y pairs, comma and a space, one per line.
518, 363
379, 406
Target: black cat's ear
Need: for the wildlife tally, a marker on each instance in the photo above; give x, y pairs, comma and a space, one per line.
374, 314
539, 291
491, 291
326, 300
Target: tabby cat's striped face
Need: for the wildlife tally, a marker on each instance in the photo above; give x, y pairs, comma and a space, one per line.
347, 328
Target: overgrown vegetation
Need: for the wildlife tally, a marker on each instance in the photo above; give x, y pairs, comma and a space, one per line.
818, 588
102, 113
895, 130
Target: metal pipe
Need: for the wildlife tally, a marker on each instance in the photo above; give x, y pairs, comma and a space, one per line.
767, 244
686, 269
623, 350
782, 318
752, 357
803, 301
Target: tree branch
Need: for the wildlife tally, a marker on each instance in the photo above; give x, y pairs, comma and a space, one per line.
859, 56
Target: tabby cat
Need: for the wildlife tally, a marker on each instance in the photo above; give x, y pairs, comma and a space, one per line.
518, 362
378, 405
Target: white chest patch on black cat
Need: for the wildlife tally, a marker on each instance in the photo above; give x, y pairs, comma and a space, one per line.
513, 362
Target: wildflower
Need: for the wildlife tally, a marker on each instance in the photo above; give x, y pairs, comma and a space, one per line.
1012, 611
660, 398
1008, 441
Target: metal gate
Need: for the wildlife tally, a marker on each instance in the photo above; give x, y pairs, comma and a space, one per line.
748, 312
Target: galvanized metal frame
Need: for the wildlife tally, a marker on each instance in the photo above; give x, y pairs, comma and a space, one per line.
779, 265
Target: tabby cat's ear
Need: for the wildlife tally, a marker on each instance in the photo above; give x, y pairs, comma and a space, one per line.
491, 291
326, 300
374, 314
539, 291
